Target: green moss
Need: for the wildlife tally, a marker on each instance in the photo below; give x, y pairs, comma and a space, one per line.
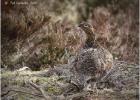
7, 74
54, 90
20, 79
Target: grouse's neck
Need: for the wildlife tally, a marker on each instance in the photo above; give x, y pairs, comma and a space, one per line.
90, 41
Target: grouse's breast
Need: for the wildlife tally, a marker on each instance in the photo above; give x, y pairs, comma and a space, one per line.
93, 62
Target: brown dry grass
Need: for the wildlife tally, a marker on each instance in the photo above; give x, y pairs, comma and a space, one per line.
40, 34
118, 32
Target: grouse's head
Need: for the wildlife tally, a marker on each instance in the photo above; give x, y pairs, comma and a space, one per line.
87, 28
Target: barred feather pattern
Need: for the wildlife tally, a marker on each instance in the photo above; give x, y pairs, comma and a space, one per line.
92, 61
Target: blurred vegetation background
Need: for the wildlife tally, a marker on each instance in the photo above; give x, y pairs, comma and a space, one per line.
44, 32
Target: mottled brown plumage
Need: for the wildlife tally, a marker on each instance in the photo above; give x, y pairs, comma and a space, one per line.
93, 61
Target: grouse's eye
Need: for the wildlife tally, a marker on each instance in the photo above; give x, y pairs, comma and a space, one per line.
85, 25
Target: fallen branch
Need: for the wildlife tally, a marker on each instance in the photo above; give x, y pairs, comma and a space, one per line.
40, 90
15, 90
56, 97
21, 90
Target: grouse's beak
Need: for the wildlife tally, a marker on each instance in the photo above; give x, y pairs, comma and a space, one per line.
80, 25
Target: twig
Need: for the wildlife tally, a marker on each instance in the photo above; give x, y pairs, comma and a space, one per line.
40, 90
112, 70
15, 90
5, 93
43, 95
